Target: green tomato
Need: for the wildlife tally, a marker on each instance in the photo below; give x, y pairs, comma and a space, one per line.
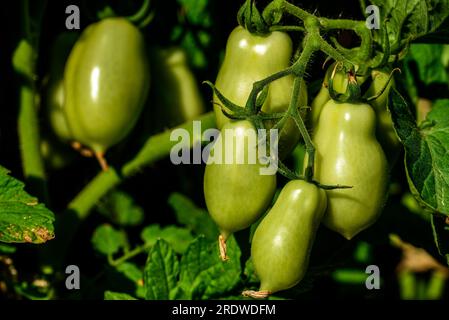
348, 154
250, 58
340, 83
54, 93
106, 82
236, 194
385, 130
175, 95
283, 241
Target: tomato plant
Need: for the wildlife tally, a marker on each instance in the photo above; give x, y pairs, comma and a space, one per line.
255, 150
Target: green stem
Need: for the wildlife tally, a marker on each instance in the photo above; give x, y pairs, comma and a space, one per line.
295, 11
293, 110
287, 28
27, 122
329, 24
259, 85
129, 255
157, 147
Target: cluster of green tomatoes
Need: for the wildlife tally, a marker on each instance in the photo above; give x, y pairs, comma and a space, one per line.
346, 138
98, 93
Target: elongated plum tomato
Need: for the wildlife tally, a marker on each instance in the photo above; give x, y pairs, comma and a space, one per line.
175, 96
250, 58
348, 154
283, 241
106, 82
236, 194
54, 93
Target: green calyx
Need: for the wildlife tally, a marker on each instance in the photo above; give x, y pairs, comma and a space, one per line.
251, 19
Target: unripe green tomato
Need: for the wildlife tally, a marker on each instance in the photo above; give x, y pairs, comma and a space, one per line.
348, 154
236, 194
340, 83
282, 243
385, 130
54, 93
175, 96
250, 58
106, 82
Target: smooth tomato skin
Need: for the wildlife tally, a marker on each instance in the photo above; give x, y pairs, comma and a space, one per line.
347, 153
236, 194
175, 96
54, 89
283, 241
106, 82
250, 58
384, 130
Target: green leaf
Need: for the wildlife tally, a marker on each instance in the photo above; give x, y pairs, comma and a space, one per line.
426, 150
121, 209
194, 218
107, 240
135, 274
424, 71
22, 218
178, 238
111, 295
203, 274
408, 20
429, 63
441, 235
161, 271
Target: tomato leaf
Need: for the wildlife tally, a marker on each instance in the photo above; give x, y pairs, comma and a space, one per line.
121, 209
178, 238
194, 218
441, 235
111, 295
135, 275
161, 271
22, 218
408, 20
108, 241
203, 274
424, 71
426, 150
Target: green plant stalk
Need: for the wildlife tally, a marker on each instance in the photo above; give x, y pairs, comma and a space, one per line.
363, 53
129, 255
27, 122
156, 148
33, 167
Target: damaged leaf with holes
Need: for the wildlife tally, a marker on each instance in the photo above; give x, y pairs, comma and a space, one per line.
22, 217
